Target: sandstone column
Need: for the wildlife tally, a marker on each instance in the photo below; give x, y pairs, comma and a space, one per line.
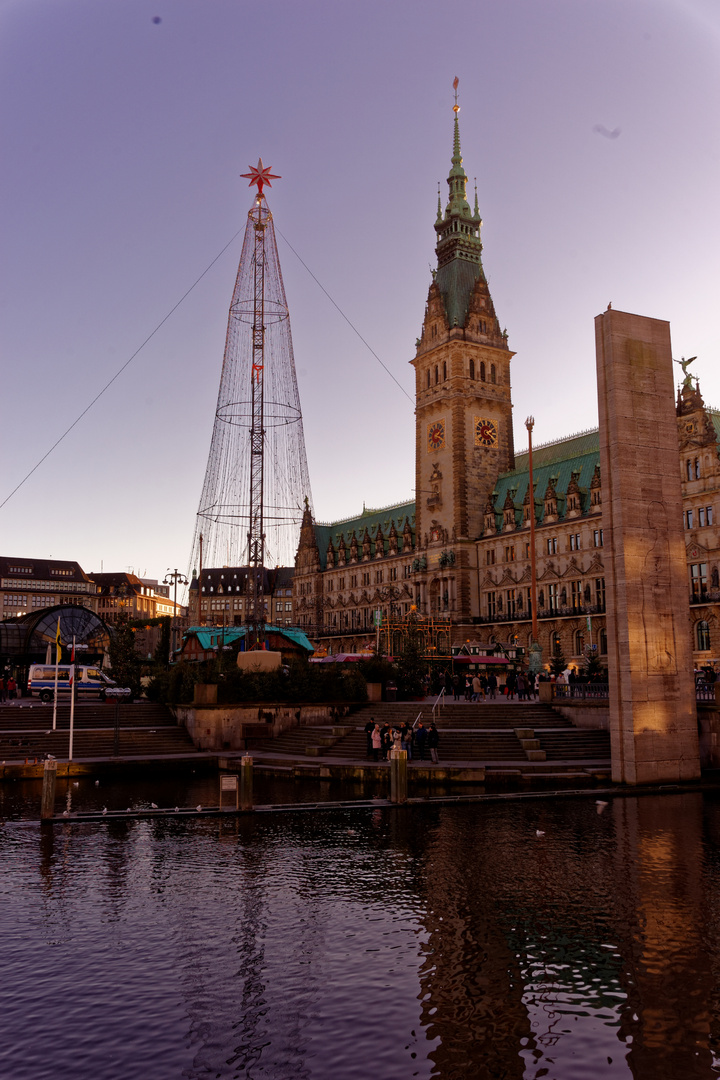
653, 723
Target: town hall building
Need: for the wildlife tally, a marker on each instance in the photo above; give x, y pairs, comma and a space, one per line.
460, 554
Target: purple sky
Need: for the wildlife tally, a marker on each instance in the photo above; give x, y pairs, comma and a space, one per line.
123, 139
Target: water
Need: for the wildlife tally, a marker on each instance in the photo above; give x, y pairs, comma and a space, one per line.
446, 941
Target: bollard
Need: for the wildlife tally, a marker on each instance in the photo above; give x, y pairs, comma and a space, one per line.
246, 782
398, 776
47, 809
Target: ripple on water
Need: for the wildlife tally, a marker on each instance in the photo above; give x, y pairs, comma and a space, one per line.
438, 942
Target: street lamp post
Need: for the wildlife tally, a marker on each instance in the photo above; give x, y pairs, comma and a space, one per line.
529, 424
174, 577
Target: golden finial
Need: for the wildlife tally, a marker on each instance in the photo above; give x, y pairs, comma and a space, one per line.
456, 107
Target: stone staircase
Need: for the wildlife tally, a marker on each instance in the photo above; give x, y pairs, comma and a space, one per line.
492, 715
144, 731
484, 734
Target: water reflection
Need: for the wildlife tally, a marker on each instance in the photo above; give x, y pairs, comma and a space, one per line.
432, 942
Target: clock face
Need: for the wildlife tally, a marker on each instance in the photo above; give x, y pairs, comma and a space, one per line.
486, 432
436, 436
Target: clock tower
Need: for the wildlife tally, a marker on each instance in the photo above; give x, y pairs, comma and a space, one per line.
463, 404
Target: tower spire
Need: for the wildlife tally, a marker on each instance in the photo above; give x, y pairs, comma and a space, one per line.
458, 246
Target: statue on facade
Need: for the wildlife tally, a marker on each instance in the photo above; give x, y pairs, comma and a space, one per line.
685, 364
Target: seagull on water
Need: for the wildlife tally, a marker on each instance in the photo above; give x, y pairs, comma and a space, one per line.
539, 833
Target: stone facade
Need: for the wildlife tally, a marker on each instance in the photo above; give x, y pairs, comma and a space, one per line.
653, 724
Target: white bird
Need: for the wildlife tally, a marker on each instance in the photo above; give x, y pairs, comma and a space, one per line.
129, 810
66, 813
154, 805
97, 783
198, 808
600, 805
47, 732
539, 833
176, 809
76, 783
104, 809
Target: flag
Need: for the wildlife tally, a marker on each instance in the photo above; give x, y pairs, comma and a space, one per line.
58, 642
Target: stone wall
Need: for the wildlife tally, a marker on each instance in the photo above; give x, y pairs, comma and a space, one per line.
226, 727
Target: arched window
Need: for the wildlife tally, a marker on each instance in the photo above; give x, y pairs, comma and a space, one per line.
554, 644
492, 373
579, 643
703, 636
482, 370
444, 370
437, 376
689, 469
603, 642
472, 368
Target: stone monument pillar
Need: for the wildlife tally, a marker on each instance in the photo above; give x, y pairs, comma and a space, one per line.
653, 722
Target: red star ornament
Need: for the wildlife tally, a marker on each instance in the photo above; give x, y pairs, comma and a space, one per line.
260, 176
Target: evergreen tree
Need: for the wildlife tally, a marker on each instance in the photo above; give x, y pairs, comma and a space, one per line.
162, 650
593, 667
557, 660
124, 661
411, 664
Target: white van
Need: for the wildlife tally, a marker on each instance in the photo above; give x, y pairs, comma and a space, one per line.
89, 681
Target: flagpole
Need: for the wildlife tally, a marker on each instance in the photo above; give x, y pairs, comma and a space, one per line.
57, 662
72, 700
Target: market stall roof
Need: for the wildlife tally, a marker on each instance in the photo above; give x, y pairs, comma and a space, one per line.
480, 660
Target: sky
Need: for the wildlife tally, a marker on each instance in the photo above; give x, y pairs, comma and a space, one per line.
590, 125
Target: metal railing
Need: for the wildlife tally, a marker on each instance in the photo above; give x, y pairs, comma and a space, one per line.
601, 692
439, 703
581, 691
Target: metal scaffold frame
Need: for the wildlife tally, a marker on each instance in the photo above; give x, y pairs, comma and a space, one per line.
256, 481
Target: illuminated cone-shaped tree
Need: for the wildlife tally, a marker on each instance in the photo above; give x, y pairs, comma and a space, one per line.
256, 481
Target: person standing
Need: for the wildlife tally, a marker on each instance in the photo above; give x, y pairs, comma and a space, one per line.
477, 688
376, 739
433, 741
421, 740
492, 684
406, 732
369, 728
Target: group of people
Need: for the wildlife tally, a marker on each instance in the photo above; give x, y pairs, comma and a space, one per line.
414, 740
8, 688
483, 687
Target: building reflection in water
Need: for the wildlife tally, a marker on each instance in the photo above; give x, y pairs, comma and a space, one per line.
593, 943
452, 941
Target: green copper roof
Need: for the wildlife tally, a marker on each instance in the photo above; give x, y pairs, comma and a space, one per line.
459, 246
578, 453
210, 636
385, 518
